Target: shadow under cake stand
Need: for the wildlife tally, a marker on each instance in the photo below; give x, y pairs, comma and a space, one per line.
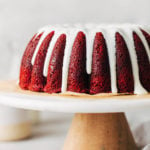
99, 122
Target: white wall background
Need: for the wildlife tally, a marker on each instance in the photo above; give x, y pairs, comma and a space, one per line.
19, 19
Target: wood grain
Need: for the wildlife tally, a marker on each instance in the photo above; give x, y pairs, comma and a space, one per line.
108, 131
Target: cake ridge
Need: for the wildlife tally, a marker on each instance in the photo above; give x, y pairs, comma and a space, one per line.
138, 88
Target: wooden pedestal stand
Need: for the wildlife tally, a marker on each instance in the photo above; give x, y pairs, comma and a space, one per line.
105, 131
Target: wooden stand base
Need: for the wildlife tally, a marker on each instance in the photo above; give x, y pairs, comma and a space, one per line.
107, 131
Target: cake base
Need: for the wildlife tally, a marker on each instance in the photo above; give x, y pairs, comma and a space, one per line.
106, 131
11, 86
80, 103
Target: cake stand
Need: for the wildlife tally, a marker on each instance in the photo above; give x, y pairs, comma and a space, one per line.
99, 122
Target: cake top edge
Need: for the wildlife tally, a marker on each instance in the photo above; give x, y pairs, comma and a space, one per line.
93, 27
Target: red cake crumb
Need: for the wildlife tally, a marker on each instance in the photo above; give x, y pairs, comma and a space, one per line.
54, 77
37, 79
125, 81
77, 76
143, 62
100, 76
26, 66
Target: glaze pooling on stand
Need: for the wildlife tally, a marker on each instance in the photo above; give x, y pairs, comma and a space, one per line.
90, 30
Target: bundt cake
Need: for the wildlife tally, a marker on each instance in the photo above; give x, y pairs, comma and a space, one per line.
90, 59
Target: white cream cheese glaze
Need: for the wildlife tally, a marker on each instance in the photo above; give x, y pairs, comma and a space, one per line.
90, 30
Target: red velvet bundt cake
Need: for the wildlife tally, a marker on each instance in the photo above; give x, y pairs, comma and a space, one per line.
90, 59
